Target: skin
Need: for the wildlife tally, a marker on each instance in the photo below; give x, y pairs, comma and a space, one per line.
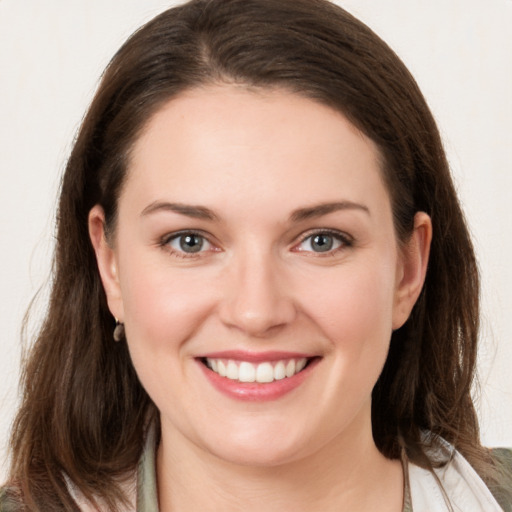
253, 158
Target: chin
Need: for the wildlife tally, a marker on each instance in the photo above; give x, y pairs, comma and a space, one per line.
258, 457
261, 450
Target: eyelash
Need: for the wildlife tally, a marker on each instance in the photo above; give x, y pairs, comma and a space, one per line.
166, 241
344, 240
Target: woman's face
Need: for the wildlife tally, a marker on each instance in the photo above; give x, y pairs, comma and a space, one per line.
256, 270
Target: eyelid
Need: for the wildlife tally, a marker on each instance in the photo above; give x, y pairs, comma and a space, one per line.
345, 239
165, 241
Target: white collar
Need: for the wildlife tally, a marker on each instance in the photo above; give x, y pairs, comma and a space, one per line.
458, 484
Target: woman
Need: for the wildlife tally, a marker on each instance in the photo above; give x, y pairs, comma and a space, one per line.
263, 285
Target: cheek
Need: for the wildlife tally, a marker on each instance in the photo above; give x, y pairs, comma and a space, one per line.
163, 306
354, 310
353, 306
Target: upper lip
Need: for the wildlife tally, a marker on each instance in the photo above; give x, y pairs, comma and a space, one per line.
255, 357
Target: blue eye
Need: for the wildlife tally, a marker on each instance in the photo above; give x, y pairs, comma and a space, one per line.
189, 243
322, 242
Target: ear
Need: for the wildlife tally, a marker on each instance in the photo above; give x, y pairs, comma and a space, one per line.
412, 269
107, 262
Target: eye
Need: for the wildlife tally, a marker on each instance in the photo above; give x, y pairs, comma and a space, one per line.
323, 242
188, 243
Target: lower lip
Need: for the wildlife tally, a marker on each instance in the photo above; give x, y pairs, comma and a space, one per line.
255, 391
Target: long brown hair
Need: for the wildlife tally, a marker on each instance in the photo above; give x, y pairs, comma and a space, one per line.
84, 411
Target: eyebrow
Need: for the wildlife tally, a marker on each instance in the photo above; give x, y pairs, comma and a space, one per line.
321, 209
196, 212
201, 212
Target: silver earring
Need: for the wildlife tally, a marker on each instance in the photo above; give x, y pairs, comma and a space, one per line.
118, 331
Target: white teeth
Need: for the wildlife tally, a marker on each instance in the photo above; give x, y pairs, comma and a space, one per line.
244, 371
290, 368
264, 373
232, 371
279, 371
301, 363
222, 368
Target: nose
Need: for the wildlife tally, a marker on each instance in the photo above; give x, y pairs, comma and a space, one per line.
256, 301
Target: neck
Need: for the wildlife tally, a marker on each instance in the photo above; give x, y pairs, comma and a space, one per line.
348, 473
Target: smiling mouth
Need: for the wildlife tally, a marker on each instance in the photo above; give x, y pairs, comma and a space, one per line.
263, 372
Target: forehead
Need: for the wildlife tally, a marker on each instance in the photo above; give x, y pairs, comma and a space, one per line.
226, 141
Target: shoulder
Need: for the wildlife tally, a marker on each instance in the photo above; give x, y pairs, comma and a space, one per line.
9, 502
503, 456
454, 481
503, 491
